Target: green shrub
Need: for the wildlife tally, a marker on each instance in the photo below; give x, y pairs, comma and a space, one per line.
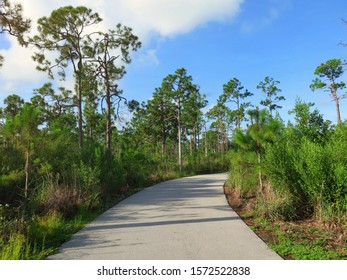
312, 166
337, 154
111, 175
243, 172
199, 163
11, 186
279, 163
137, 167
313, 172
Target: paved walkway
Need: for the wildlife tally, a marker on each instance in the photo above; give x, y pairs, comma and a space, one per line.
182, 219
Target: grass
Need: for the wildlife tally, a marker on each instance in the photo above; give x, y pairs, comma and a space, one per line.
50, 231
43, 236
300, 240
299, 248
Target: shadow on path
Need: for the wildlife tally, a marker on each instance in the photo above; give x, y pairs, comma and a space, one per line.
159, 223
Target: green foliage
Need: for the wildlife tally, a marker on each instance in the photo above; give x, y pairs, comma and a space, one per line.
260, 133
137, 167
62, 32
301, 168
47, 230
200, 163
311, 171
337, 156
13, 249
234, 92
309, 124
269, 87
277, 205
312, 167
331, 69
279, 163
13, 242
243, 172
13, 104
305, 250
185, 100
222, 118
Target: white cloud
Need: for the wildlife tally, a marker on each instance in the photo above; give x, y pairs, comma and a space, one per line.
150, 19
174, 17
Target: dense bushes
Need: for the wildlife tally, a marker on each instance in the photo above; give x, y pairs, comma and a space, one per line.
304, 169
313, 173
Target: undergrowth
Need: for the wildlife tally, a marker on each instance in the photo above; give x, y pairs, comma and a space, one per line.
308, 239
42, 236
299, 248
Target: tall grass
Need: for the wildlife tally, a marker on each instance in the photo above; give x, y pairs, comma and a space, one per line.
243, 172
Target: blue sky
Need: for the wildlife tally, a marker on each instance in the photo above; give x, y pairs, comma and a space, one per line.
283, 39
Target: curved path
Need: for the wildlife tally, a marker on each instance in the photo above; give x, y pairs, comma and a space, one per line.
181, 219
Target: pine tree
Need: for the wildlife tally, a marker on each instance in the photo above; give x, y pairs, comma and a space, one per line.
179, 87
64, 32
270, 89
234, 92
331, 71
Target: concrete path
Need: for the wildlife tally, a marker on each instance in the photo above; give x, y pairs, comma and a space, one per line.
182, 219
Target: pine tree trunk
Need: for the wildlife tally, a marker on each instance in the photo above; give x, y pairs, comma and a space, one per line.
261, 185
179, 136
194, 138
337, 106
163, 147
221, 136
26, 171
238, 117
79, 107
191, 145
206, 143
108, 119
109, 103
